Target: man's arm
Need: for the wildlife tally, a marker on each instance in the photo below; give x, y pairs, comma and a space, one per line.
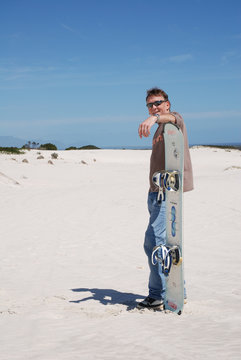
145, 126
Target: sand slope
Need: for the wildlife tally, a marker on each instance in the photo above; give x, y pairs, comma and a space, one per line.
73, 267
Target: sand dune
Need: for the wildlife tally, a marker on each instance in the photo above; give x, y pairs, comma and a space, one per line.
73, 266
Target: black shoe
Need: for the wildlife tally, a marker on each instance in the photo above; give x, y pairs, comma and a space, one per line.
150, 303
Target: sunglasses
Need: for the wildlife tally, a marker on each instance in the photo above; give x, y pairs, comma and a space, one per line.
156, 103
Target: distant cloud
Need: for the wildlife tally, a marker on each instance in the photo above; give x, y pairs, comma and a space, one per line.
10, 36
226, 56
180, 58
40, 122
229, 55
17, 72
121, 119
235, 36
176, 59
68, 28
212, 114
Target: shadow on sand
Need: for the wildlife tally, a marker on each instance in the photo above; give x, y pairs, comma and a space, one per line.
109, 296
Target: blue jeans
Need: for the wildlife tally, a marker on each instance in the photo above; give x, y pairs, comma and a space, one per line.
155, 235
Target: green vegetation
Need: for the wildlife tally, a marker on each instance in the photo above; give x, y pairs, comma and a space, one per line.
30, 145
54, 156
11, 150
72, 148
86, 147
48, 146
34, 145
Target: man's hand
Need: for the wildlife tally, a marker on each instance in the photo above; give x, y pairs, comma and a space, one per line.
145, 126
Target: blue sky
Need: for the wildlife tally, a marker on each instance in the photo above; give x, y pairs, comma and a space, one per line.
77, 71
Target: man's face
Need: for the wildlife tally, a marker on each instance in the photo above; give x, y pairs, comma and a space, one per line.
158, 109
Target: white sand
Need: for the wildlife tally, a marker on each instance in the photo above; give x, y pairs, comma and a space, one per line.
72, 262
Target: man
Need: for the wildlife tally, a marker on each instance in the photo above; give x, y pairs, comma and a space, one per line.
158, 106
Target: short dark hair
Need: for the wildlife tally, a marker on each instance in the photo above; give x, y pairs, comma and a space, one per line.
156, 91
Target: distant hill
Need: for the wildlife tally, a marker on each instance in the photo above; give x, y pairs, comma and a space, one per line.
7, 141
236, 146
86, 147
11, 141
